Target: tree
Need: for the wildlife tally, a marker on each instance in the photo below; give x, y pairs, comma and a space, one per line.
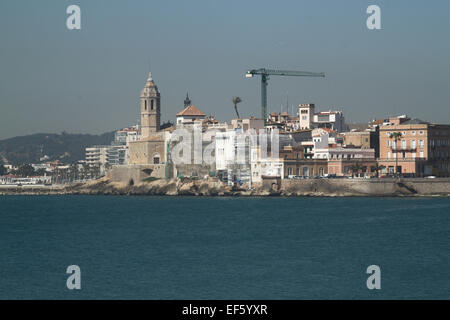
236, 100
25, 170
378, 168
3, 170
395, 136
356, 167
41, 172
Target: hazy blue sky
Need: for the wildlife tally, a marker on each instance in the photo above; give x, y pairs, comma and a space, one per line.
53, 79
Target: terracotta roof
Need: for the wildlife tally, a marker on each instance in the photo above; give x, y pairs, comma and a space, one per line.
190, 111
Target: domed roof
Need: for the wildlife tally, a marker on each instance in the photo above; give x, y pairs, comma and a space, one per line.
150, 88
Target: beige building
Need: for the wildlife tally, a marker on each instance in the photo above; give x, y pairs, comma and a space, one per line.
150, 108
148, 155
360, 139
150, 148
247, 124
423, 149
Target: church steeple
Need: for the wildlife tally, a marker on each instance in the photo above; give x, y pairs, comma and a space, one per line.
150, 108
187, 101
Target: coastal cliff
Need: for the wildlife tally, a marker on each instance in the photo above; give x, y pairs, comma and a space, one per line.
213, 187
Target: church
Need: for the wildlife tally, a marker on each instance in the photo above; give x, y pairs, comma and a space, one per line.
150, 149
147, 156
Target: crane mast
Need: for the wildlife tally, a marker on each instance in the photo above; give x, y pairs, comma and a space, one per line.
265, 77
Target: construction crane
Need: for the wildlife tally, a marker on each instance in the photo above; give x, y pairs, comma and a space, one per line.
265, 76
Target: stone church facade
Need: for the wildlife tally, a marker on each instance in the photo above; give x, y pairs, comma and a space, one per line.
147, 155
150, 149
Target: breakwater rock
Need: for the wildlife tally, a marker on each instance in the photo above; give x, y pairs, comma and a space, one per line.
213, 187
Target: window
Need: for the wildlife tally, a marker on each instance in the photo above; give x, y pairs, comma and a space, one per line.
421, 144
389, 155
421, 133
145, 105
403, 144
413, 155
151, 104
404, 133
403, 154
413, 144
421, 154
388, 143
413, 133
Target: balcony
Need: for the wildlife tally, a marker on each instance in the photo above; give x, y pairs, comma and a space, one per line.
410, 149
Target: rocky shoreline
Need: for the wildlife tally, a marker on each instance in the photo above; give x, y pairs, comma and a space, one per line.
213, 187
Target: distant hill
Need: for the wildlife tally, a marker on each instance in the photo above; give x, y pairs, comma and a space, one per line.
65, 147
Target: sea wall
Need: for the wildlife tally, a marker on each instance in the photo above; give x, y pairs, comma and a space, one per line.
137, 173
366, 187
213, 187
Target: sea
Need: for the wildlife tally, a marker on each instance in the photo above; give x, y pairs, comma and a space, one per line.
147, 247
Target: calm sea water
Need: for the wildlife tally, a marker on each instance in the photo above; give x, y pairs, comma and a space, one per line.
223, 248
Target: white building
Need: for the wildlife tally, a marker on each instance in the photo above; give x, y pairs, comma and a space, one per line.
13, 180
97, 156
310, 119
323, 139
119, 152
115, 154
232, 152
189, 115
330, 119
264, 166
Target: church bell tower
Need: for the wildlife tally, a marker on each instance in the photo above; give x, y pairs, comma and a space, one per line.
150, 108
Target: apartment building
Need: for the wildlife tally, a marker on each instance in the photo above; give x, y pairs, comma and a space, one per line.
423, 149
365, 139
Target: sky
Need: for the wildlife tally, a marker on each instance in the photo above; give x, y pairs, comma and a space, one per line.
53, 79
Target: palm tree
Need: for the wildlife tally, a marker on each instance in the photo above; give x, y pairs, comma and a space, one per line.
396, 136
355, 168
236, 100
378, 168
